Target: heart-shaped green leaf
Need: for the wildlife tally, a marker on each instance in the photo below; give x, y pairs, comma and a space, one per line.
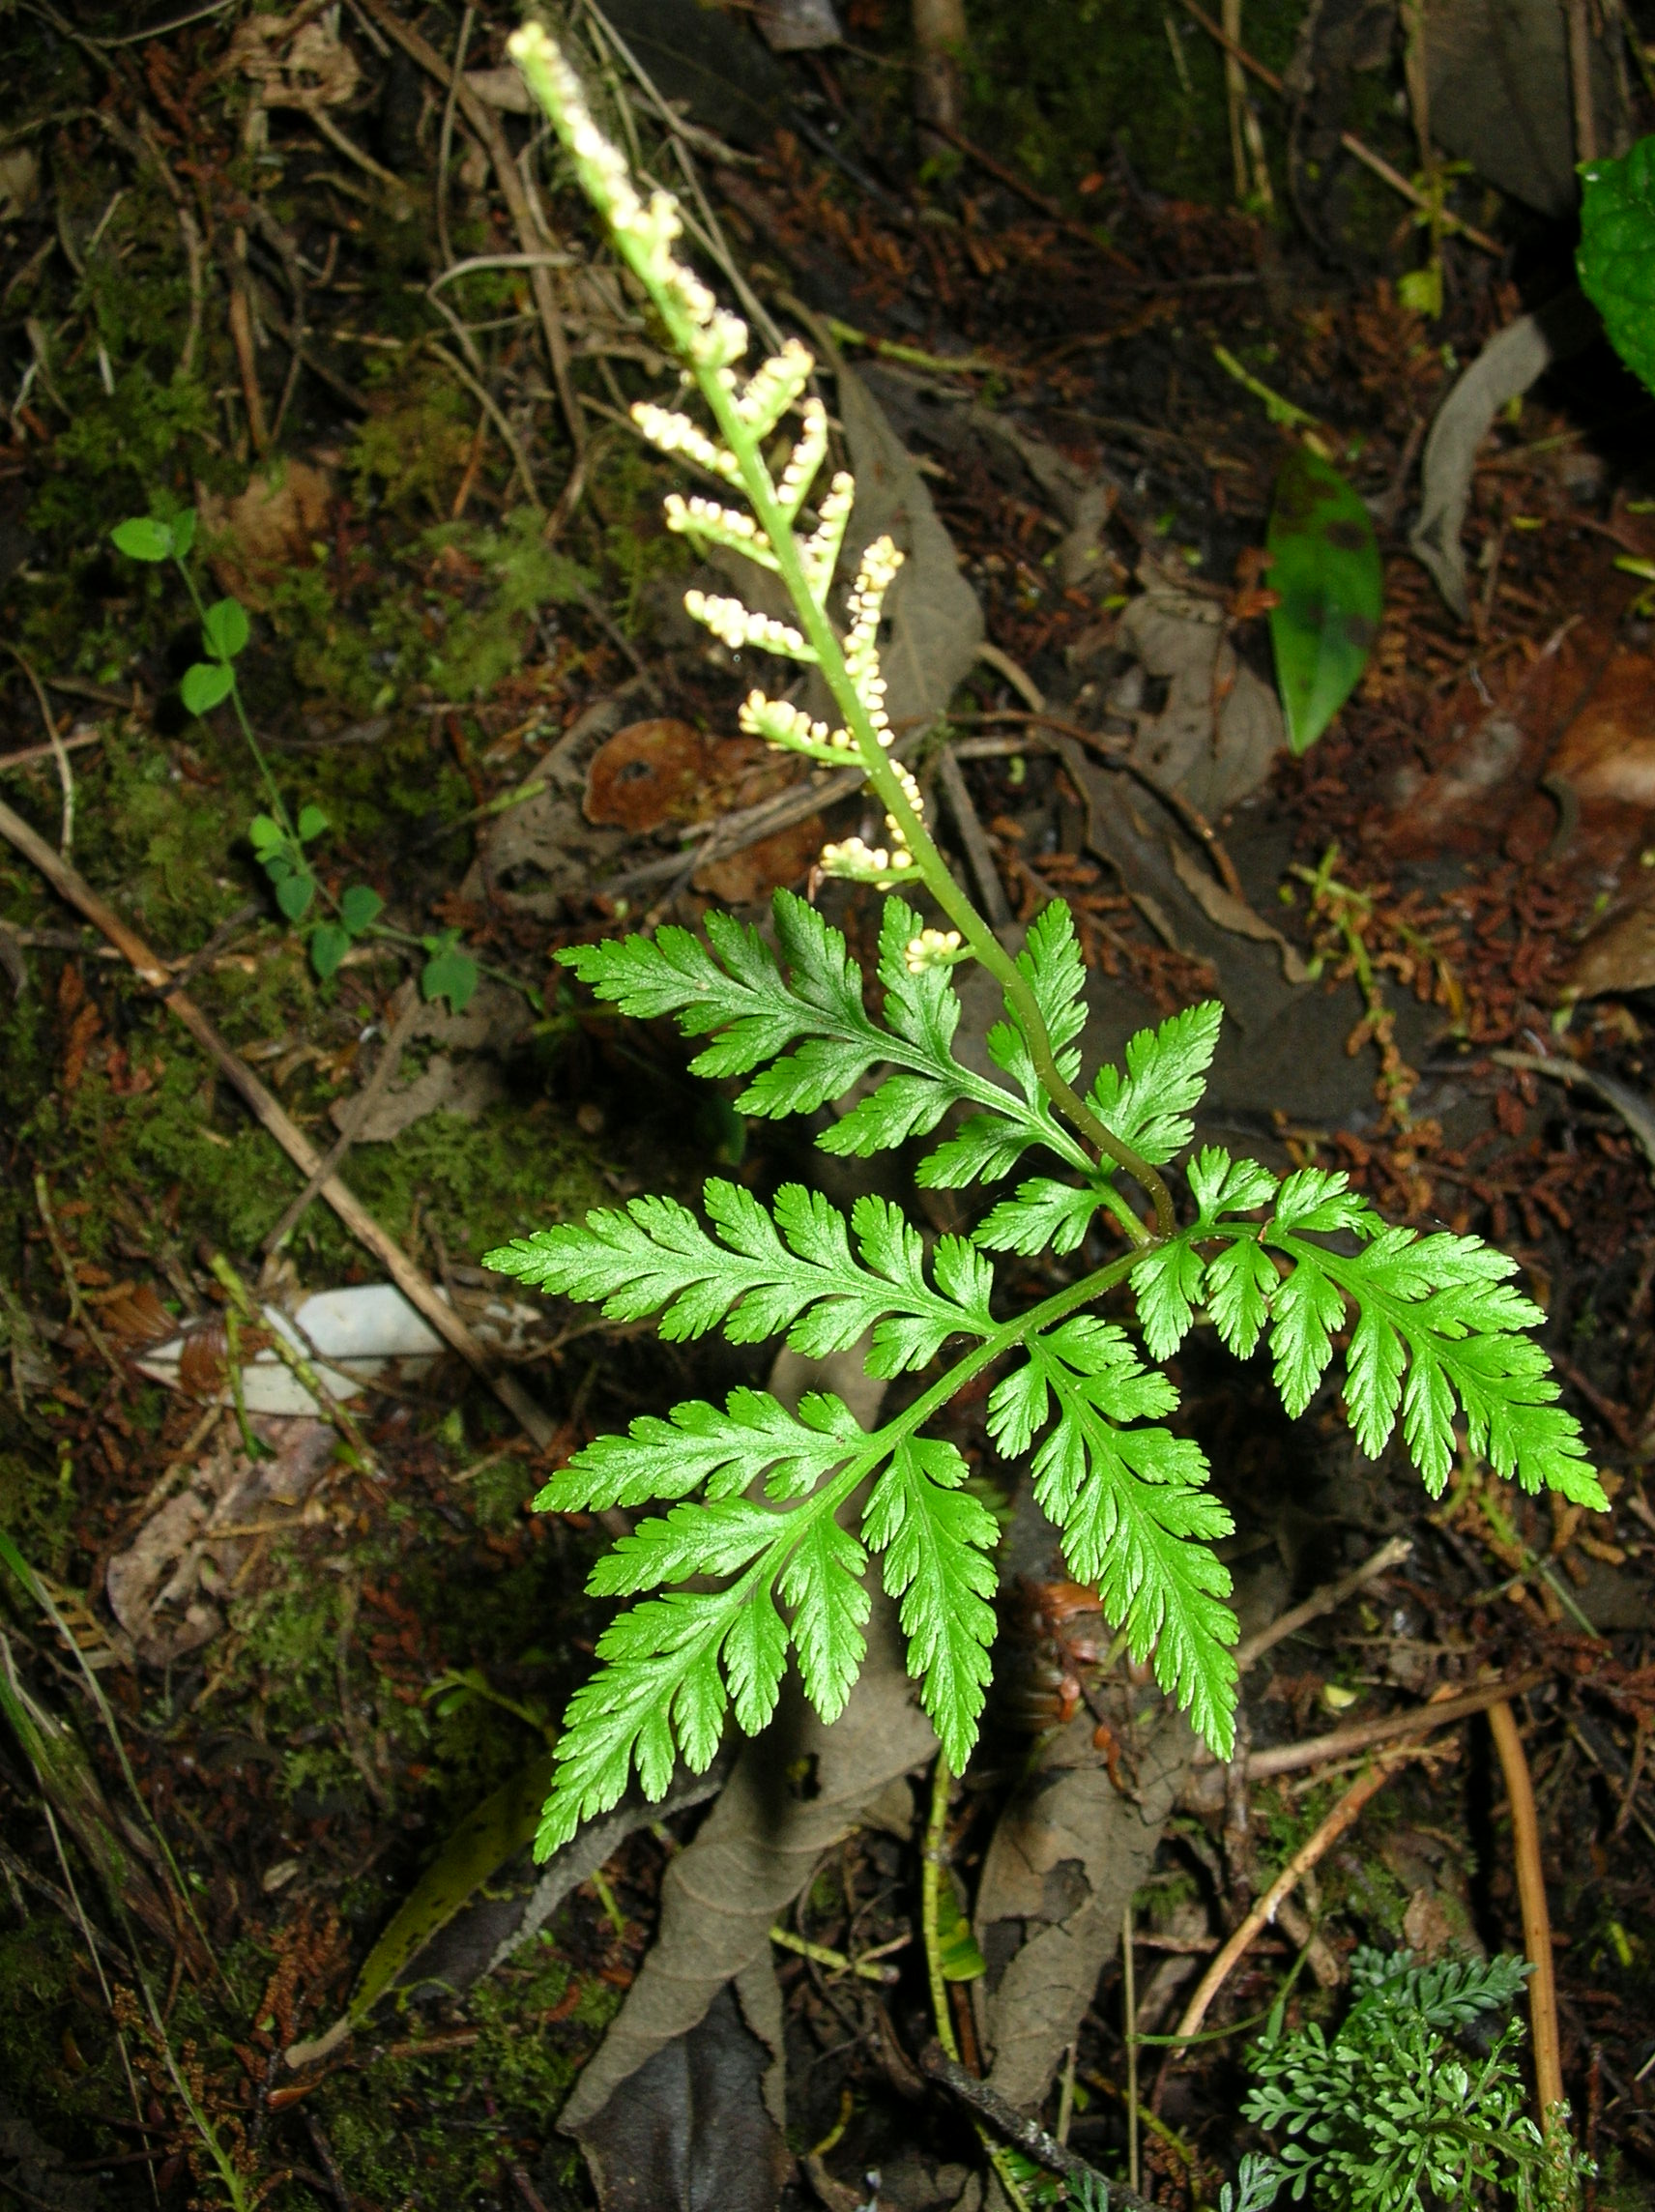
207, 684
329, 941
224, 626
359, 907
1327, 572
311, 823
267, 835
143, 539
183, 532
450, 973
294, 895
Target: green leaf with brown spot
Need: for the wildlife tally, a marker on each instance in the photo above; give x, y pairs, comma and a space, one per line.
1327, 572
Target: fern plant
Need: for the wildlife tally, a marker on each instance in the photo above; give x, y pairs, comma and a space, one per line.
773, 1515
1400, 2110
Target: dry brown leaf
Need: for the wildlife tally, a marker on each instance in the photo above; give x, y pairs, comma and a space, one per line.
1233, 913
312, 67
649, 773
257, 538
774, 863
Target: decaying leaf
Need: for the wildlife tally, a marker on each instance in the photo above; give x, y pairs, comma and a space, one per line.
443, 1086
690, 2128
1219, 732
1506, 368
164, 1587
304, 66
1504, 96
1068, 1853
1233, 913
773, 863
270, 528
649, 773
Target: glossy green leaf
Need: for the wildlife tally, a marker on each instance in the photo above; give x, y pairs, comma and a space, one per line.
359, 907
1326, 568
143, 539
267, 835
206, 686
224, 626
329, 944
1616, 256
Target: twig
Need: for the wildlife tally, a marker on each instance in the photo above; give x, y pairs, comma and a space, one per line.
1129, 2027
532, 232
324, 2150
836, 1962
1536, 1920
445, 138
979, 852
1314, 1849
29, 754
1327, 1599
356, 1117
1366, 1736
1027, 2136
1352, 144
355, 1742
491, 407
58, 750
328, 1407
414, 1285
945, 2045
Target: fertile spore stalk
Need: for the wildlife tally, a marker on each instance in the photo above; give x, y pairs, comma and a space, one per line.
754, 1490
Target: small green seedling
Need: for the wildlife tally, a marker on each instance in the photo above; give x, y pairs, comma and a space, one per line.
751, 1558
1405, 2107
280, 842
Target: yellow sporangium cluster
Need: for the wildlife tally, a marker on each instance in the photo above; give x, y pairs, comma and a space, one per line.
741, 626
931, 948
674, 433
706, 519
865, 608
644, 233
775, 386
857, 862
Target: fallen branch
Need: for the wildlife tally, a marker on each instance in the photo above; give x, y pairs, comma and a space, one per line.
355, 1117
414, 1285
1025, 2135
1536, 1920
1367, 1736
1327, 1599
1314, 1849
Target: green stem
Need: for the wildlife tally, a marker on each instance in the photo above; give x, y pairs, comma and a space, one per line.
930, 1902
277, 807
939, 879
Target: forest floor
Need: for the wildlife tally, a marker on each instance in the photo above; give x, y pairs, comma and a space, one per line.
266, 1679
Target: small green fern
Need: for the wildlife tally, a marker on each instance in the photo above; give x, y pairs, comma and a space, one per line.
755, 1491
1395, 2113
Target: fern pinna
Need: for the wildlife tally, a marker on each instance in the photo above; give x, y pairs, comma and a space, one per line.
784, 1510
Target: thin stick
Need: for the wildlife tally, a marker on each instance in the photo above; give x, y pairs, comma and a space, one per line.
1027, 2136
1366, 1736
356, 1117
1536, 1919
1129, 2023
1352, 144
414, 1285
1580, 80
58, 750
1327, 1599
32, 753
446, 138
532, 235
973, 836
1315, 1848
